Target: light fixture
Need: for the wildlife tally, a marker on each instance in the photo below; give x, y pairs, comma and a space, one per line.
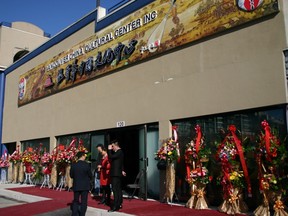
170, 79
163, 80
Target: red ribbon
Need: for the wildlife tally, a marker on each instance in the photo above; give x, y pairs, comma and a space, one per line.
226, 177
232, 129
267, 129
47, 170
188, 171
260, 174
29, 168
61, 147
72, 144
198, 139
174, 129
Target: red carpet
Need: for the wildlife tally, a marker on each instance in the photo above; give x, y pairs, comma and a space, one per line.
62, 199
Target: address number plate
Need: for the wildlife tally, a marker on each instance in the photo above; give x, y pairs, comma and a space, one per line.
121, 124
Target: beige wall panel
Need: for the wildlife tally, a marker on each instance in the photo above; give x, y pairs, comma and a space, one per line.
70, 41
238, 70
27, 27
14, 40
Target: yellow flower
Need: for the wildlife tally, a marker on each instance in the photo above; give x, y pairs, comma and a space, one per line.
169, 153
232, 177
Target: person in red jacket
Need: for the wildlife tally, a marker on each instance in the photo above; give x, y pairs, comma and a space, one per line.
105, 178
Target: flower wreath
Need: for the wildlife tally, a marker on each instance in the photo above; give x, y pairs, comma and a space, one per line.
4, 160
169, 151
16, 156
231, 155
196, 154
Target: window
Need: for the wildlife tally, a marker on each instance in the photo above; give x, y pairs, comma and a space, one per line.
66, 140
286, 63
247, 122
37, 143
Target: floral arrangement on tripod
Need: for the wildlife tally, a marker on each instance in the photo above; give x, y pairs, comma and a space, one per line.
234, 177
4, 160
29, 158
196, 159
16, 156
169, 151
271, 156
64, 156
47, 163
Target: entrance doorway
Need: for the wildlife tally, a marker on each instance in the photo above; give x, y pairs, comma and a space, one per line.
138, 144
129, 143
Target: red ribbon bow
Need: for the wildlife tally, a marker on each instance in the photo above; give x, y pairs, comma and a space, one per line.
232, 129
199, 135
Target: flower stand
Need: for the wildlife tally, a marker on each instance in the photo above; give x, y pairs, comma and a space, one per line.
21, 173
69, 180
234, 203
201, 201
16, 172
170, 182
197, 199
62, 183
29, 171
279, 207
28, 178
191, 202
4, 175
271, 174
169, 152
46, 181
234, 173
47, 173
263, 209
53, 176
196, 157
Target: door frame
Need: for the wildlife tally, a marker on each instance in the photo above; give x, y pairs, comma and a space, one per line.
143, 160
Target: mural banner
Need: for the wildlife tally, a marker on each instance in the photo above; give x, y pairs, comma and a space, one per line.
154, 29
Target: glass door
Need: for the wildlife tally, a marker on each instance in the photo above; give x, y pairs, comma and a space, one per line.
144, 161
148, 145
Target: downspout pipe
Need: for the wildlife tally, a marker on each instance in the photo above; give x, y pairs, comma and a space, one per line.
2, 93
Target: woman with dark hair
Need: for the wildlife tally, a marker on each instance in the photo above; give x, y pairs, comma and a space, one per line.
105, 178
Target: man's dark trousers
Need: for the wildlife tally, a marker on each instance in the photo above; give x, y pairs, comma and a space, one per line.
117, 191
83, 204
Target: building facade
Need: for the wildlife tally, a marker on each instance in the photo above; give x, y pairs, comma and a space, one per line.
12, 48
145, 67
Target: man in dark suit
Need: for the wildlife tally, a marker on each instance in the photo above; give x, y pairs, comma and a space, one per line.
116, 157
81, 174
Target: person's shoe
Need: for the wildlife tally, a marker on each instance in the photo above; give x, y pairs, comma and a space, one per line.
102, 202
113, 209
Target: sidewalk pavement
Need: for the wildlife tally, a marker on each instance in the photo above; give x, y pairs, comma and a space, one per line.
10, 198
